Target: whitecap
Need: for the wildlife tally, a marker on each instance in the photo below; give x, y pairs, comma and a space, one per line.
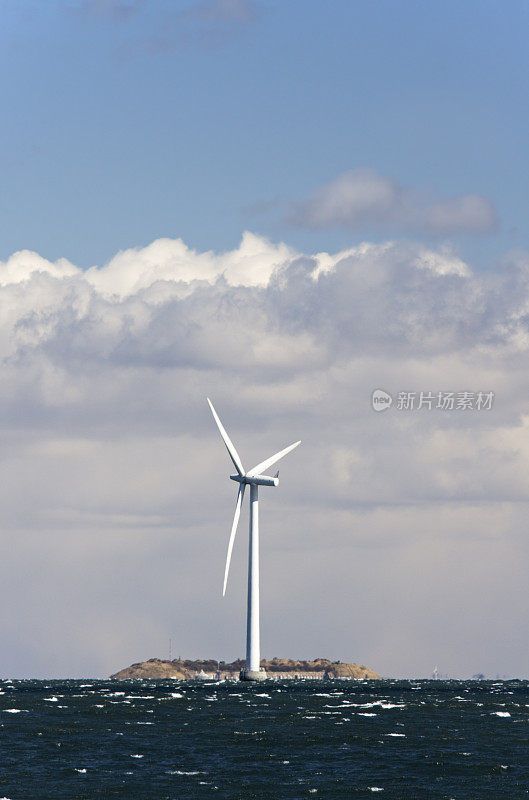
184, 772
365, 714
394, 734
80, 770
15, 710
51, 699
341, 705
375, 789
136, 755
140, 697
501, 713
381, 703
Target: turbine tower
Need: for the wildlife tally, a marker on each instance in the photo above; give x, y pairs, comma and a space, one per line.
254, 478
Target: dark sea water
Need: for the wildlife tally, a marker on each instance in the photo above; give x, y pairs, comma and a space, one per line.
167, 740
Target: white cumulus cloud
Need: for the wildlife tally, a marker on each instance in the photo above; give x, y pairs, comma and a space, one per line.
114, 496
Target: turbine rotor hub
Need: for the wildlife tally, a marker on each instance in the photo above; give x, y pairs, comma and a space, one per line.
256, 480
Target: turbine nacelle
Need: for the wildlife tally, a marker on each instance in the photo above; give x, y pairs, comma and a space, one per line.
256, 480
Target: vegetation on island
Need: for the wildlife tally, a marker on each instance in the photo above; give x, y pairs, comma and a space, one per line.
186, 669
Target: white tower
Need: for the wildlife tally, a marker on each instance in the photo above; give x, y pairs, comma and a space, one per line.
254, 478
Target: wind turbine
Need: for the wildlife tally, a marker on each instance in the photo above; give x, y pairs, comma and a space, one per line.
254, 478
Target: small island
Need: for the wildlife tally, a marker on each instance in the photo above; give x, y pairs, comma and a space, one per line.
277, 668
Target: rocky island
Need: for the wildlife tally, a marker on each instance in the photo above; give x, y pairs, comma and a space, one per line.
179, 669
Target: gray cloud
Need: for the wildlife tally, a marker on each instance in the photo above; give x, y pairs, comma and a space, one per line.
362, 198
209, 24
116, 10
222, 11
114, 497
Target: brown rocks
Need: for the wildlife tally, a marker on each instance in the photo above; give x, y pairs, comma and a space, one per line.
350, 671
153, 668
179, 669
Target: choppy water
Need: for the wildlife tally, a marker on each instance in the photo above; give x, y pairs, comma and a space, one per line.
165, 740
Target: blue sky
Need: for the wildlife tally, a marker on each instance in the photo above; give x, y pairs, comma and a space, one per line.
126, 121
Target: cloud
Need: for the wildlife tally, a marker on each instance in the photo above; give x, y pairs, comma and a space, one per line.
469, 213
222, 11
113, 480
170, 260
208, 24
363, 199
116, 10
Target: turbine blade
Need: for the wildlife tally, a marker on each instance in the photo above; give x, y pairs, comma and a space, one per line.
263, 466
238, 505
227, 441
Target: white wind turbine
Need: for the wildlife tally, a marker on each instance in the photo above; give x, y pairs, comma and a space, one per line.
254, 478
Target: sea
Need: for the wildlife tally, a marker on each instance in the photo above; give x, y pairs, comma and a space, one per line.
171, 740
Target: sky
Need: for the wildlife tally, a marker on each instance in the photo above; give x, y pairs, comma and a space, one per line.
285, 207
